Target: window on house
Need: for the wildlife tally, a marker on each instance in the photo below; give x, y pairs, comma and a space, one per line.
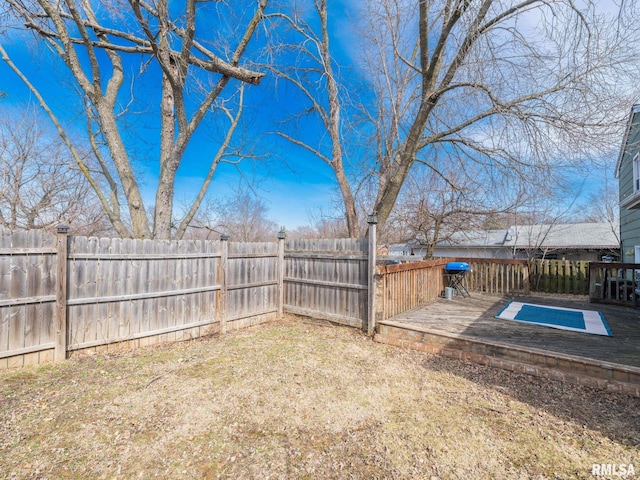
636, 173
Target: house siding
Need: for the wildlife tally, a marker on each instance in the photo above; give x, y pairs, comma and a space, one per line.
629, 218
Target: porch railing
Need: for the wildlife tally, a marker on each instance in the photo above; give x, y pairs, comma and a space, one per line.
408, 285
614, 283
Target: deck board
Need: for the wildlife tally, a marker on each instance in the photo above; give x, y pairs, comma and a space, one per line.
475, 317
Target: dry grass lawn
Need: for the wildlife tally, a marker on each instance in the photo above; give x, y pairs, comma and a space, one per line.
303, 399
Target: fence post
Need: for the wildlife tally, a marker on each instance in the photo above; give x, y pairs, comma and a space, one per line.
281, 236
526, 277
372, 220
222, 278
61, 330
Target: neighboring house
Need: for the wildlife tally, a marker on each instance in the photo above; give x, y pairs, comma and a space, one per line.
476, 244
573, 241
628, 175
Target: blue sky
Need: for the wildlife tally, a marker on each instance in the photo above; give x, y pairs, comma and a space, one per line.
293, 183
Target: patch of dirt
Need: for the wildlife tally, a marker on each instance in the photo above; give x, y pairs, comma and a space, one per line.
303, 399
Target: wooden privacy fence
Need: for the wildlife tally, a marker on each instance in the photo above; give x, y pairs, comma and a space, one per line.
125, 291
28, 279
497, 276
61, 294
145, 291
560, 276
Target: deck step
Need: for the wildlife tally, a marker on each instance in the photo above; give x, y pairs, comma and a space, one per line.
567, 368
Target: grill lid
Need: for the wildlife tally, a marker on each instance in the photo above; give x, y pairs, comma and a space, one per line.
456, 267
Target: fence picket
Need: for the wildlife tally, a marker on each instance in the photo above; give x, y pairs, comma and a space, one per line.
33, 311
16, 314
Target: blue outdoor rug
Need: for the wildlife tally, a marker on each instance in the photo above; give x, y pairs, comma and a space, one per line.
584, 321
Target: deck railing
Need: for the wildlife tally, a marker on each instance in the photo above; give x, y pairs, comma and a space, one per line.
614, 283
402, 287
408, 285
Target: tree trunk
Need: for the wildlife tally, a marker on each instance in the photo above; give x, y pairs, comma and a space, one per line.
137, 211
349, 203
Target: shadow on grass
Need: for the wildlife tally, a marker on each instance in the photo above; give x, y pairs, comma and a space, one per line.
613, 415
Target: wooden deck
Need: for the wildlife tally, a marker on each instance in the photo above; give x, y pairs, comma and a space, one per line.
467, 328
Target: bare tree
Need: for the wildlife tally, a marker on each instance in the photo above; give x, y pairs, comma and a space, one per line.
314, 65
512, 86
40, 187
433, 208
242, 217
321, 227
102, 45
474, 81
544, 210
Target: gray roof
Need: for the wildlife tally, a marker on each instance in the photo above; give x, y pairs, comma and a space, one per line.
570, 235
477, 238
